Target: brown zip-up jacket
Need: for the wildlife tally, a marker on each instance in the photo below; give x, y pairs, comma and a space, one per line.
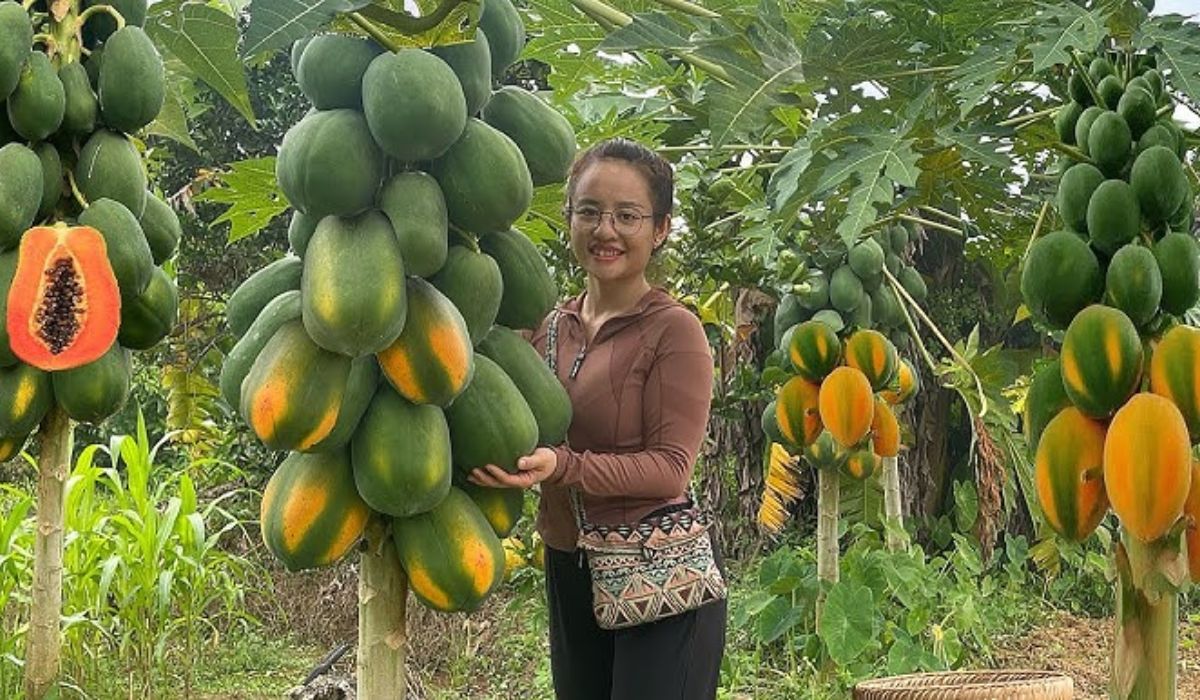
640, 391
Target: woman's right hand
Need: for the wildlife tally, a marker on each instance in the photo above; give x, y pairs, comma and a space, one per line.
533, 468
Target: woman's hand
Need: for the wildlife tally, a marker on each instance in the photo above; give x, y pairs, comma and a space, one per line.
533, 468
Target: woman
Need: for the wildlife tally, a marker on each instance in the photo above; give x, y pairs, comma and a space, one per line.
638, 369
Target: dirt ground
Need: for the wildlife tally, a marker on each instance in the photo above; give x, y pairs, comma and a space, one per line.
1080, 647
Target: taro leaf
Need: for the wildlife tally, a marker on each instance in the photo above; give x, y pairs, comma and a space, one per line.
777, 618
253, 196
847, 624
1179, 43
204, 38
1059, 29
275, 24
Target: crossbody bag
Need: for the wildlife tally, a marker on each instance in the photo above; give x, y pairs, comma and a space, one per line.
661, 566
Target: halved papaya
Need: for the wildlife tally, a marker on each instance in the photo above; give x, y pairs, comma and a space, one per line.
64, 307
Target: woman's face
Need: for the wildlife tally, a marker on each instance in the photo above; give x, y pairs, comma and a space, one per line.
619, 247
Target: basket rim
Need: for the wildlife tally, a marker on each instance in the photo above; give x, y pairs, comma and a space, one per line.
1013, 677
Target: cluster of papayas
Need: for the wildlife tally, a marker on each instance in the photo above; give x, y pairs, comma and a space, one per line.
382, 352
82, 241
836, 411
1114, 417
1124, 201
845, 287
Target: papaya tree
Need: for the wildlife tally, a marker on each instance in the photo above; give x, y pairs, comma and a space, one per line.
1111, 273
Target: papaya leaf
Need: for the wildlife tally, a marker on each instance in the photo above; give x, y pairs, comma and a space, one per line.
205, 39
253, 196
977, 75
275, 24
1059, 29
171, 121
1179, 43
390, 16
744, 107
565, 40
875, 164
651, 30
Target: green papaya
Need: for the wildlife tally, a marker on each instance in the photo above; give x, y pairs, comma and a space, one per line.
845, 290
1065, 120
52, 177
1111, 89
413, 202
1113, 216
529, 291
36, 107
97, 390
128, 251
1059, 278
414, 104
133, 83
16, 38
8, 268
300, 231
353, 289
1133, 283
471, 280
1109, 143
110, 167
1137, 109
544, 135
1075, 190
81, 107
311, 166
541, 390
330, 70
1178, 258
1083, 126
149, 317
505, 31
101, 26
485, 179
161, 225
283, 309
257, 290
472, 63
1158, 180
866, 258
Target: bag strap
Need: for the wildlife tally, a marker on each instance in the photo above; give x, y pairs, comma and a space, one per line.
552, 363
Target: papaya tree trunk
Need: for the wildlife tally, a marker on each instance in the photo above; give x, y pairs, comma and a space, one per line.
893, 515
43, 649
1146, 649
828, 511
382, 596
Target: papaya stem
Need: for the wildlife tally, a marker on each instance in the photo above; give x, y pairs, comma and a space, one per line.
916, 334
926, 222
97, 9
1164, 111
1071, 151
1087, 79
48, 40
1024, 119
689, 8
944, 214
382, 594
466, 239
407, 24
765, 147
1146, 645
900, 290
43, 652
83, 202
600, 12
1037, 227
917, 71
372, 31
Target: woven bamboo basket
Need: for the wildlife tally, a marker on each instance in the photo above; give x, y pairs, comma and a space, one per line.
969, 685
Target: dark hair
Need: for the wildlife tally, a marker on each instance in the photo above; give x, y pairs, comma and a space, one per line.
659, 175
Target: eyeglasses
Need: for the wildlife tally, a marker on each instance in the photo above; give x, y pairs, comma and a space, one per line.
626, 221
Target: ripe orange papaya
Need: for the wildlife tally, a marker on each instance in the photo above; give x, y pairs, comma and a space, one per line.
847, 405
1147, 465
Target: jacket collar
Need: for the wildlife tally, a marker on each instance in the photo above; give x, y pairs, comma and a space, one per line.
653, 301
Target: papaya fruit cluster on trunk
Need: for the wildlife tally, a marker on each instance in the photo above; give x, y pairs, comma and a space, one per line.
1113, 418
837, 411
82, 240
382, 351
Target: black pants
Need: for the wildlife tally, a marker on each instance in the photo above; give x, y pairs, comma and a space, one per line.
676, 658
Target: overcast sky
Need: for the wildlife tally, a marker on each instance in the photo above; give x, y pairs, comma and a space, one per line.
1182, 7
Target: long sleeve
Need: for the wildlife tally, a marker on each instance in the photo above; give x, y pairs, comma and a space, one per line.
675, 406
